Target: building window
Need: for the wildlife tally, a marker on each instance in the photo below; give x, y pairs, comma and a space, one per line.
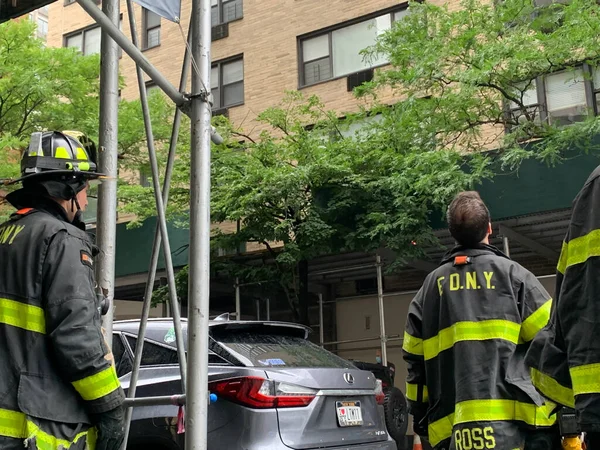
42, 27
559, 97
227, 83
596, 90
151, 27
565, 97
224, 11
529, 99
86, 41
336, 52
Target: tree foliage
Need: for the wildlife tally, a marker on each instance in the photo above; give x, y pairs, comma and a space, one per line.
40, 88
303, 191
46, 88
43, 87
312, 184
461, 70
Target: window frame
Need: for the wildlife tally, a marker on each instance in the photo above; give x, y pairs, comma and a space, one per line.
146, 30
126, 335
44, 20
219, 7
329, 32
118, 337
82, 32
86, 29
542, 104
219, 64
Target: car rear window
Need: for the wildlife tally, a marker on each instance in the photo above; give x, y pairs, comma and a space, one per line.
274, 350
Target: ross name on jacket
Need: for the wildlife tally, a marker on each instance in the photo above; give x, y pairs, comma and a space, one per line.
471, 280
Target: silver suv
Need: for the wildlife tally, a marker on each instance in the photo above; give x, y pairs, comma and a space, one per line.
276, 390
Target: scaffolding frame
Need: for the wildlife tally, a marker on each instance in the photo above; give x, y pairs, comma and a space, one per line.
197, 105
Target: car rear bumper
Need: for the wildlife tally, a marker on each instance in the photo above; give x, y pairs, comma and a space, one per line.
386, 445
278, 445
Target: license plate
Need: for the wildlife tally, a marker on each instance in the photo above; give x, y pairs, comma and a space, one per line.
349, 414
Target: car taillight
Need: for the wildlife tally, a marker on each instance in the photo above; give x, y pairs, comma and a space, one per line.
379, 394
255, 392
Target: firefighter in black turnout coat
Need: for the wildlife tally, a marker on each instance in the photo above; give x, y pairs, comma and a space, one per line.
58, 388
565, 356
466, 336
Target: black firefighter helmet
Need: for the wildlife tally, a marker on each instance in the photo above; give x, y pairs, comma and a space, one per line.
56, 164
59, 155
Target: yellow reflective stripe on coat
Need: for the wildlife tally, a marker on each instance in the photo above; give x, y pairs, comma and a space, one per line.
98, 385
45, 441
412, 345
490, 411
552, 389
412, 392
535, 322
578, 250
22, 315
14, 424
471, 331
585, 379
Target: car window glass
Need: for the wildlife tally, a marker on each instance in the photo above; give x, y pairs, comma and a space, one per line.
265, 350
153, 354
123, 362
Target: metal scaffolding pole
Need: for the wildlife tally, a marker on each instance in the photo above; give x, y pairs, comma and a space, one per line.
199, 268
381, 312
159, 230
268, 308
110, 27
108, 134
506, 246
238, 300
257, 309
321, 331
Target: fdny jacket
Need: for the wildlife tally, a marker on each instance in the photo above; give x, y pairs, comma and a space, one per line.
565, 356
54, 373
466, 335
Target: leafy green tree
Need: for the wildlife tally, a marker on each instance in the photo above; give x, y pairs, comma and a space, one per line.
43, 87
461, 77
301, 192
467, 75
40, 88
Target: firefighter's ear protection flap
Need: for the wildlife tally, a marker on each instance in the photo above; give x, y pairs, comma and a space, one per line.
105, 304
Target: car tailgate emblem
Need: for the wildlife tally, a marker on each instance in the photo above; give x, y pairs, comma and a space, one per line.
349, 378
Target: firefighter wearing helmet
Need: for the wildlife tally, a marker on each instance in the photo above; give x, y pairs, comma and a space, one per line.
58, 388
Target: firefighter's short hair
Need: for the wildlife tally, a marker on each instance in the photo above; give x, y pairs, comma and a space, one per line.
468, 218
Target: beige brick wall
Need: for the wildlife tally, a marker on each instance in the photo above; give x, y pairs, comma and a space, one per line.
266, 36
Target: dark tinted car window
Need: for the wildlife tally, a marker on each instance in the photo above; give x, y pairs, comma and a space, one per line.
153, 354
266, 350
123, 362
160, 355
